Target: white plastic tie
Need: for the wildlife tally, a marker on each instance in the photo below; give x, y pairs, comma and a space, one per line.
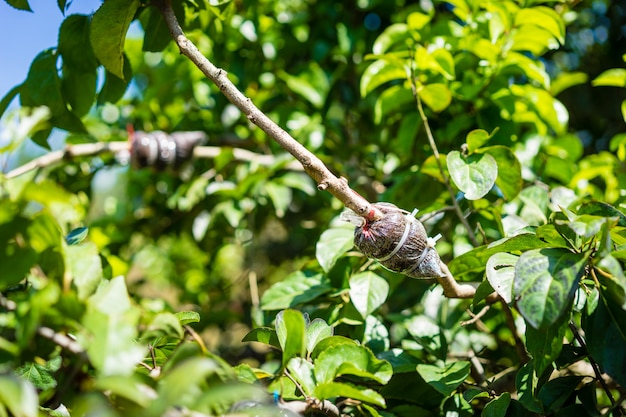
410, 217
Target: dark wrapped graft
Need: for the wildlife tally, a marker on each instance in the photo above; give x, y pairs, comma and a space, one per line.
398, 241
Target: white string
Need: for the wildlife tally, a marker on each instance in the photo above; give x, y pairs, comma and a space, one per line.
410, 220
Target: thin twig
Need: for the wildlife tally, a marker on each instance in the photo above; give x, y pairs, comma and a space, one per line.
594, 364
433, 145
70, 151
475, 317
313, 166
91, 149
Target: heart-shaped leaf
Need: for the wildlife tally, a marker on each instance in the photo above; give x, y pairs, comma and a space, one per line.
474, 174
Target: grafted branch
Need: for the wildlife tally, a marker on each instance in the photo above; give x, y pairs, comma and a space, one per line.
313, 166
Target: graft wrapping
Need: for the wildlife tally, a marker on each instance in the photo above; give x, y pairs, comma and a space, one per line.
397, 240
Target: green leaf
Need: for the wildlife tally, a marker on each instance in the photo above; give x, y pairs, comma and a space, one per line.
312, 84
565, 80
44, 233
417, 20
182, 383
222, 400
350, 359
19, 396
262, 335
41, 376
302, 371
475, 260
526, 383
164, 325
76, 236
436, 96
84, 264
317, 331
8, 98
79, 89
444, 63
605, 334
476, 139
397, 33
368, 291
187, 317
297, 288
74, 45
291, 333
500, 274
447, 379
498, 406
545, 283
111, 322
332, 244
281, 197
156, 33
475, 175
509, 179
115, 87
614, 77
545, 344
16, 260
343, 389
108, 33
20, 4
329, 342
555, 393
43, 86
392, 100
543, 17
381, 72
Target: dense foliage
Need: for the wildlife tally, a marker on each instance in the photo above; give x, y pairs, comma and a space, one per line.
230, 286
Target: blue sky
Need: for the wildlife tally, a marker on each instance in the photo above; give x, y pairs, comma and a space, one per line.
24, 34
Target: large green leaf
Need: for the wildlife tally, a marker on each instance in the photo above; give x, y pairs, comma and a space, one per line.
475, 175
302, 371
368, 291
108, 33
446, 379
332, 244
475, 260
262, 335
545, 283
74, 45
605, 333
392, 100
526, 382
115, 87
297, 288
350, 359
291, 333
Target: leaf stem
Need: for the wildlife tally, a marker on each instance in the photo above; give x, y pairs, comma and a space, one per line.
431, 139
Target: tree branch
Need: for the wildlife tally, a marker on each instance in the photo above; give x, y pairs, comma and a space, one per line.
90, 149
313, 166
